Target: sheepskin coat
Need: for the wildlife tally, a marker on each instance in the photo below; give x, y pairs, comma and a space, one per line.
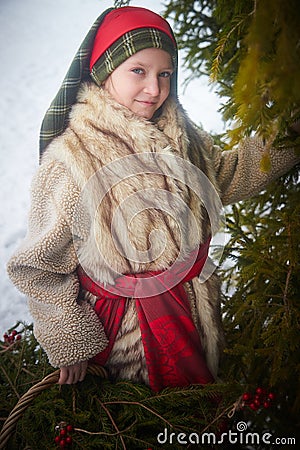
71, 223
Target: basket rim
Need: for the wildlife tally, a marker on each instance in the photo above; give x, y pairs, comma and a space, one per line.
27, 398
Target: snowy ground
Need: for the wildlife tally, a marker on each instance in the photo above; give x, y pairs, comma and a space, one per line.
38, 42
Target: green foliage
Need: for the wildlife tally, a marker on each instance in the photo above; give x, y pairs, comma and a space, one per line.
251, 50
266, 90
104, 414
195, 29
262, 287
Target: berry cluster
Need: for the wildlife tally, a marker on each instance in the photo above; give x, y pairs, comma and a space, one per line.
63, 438
12, 337
260, 398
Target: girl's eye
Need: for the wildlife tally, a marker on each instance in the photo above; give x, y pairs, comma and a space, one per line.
138, 71
165, 74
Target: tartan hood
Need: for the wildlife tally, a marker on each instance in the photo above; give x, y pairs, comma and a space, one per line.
56, 118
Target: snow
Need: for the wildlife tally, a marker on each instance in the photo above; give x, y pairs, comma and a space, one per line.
38, 42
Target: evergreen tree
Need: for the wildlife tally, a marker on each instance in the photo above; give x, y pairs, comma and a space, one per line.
251, 50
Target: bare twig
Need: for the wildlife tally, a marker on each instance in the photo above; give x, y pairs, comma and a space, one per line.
10, 382
113, 422
103, 433
142, 406
288, 277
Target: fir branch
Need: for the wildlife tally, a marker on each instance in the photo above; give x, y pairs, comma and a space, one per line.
223, 41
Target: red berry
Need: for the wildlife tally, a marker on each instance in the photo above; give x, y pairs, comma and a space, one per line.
57, 439
68, 440
256, 402
271, 396
266, 404
18, 337
253, 406
63, 432
70, 428
62, 443
14, 333
260, 391
5, 336
246, 396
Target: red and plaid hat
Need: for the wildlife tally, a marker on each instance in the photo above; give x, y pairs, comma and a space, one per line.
116, 34
124, 32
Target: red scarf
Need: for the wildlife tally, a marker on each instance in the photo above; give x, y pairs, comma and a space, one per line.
172, 345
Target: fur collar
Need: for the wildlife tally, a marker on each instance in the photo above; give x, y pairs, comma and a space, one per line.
100, 133
102, 111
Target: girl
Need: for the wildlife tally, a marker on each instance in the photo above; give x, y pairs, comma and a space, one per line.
117, 234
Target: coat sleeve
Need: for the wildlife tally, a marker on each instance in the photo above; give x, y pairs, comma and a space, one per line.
44, 269
238, 171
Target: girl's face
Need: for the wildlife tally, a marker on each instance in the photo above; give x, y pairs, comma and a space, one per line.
142, 82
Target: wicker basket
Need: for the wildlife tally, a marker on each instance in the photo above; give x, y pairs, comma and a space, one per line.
50, 380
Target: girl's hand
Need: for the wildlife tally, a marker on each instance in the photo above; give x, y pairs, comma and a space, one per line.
73, 374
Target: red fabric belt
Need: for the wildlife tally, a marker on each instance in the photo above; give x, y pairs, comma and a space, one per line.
172, 346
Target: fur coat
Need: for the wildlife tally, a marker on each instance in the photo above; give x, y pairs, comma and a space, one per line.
66, 207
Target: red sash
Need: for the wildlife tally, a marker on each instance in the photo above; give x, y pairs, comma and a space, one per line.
172, 345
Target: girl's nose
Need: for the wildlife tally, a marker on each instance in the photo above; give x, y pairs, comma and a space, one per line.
152, 86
